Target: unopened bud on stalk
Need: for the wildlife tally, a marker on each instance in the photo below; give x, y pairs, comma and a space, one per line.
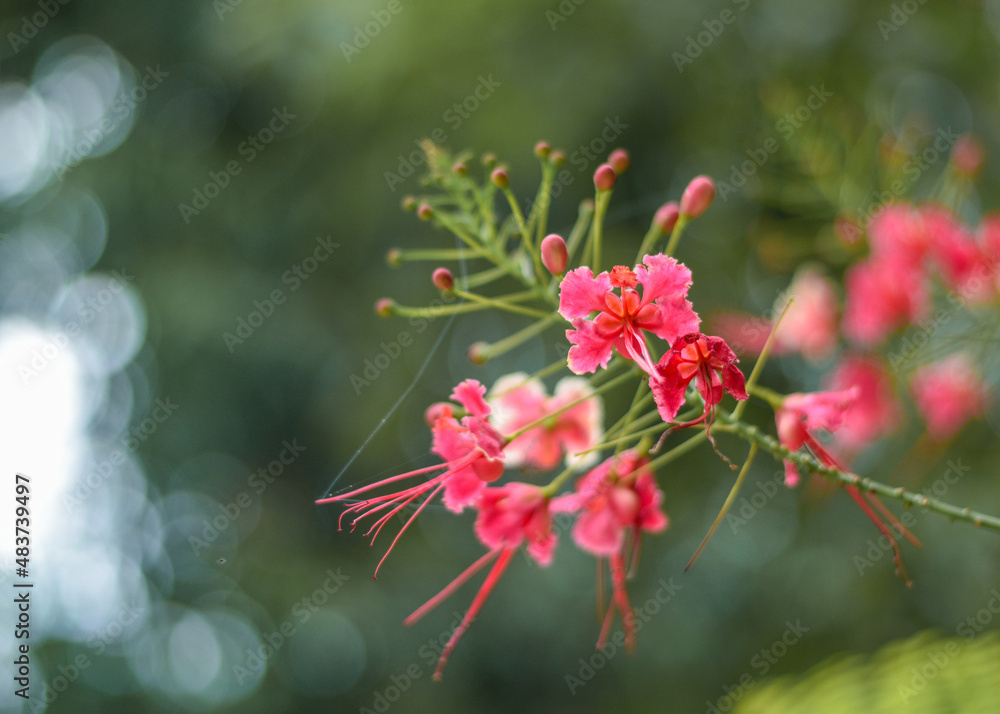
443, 279
619, 160
476, 351
499, 178
554, 254
605, 177
489, 160
542, 149
460, 169
697, 196
558, 158
385, 307
425, 212
409, 204
394, 257
666, 216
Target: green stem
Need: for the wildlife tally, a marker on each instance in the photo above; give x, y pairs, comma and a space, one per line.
597, 228
762, 360
675, 234
802, 460
505, 303
486, 352
678, 450
648, 241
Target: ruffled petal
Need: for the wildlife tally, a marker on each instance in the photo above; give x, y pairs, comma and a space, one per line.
590, 349
580, 293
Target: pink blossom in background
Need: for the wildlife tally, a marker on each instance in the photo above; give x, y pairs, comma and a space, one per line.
623, 319
883, 295
948, 394
876, 412
960, 259
513, 514
802, 415
518, 401
897, 232
810, 327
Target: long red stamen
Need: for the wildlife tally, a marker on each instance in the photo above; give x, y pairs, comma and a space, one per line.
897, 555
405, 526
888, 515
621, 599
484, 592
383, 482
451, 587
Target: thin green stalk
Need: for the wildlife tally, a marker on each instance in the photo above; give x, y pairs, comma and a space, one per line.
675, 234
486, 352
505, 303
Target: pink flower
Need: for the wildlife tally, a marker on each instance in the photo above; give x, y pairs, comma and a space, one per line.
518, 401
622, 319
802, 414
473, 454
616, 500
883, 295
509, 516
948, 394
809, 327
875, 411
961, 260
798, 418
513, 514
696, 356
899, 232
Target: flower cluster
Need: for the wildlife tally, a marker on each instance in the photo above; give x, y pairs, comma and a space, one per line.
519, 454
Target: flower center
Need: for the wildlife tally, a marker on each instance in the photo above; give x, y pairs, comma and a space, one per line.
623, 277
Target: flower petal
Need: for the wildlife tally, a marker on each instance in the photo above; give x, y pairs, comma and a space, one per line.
580, 293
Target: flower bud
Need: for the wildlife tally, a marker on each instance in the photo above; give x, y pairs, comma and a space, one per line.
385, 307
554, 254
489, 160
542, 149
425, 212
605, 177
460, 169
499, 178
436, 411
666, 217
443, 279
967, 155
409, 203
476, 355
619, 160
697, 196
394, 257
558, 158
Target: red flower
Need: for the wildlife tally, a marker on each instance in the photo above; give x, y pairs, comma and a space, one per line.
616, 499
473, 454
622, 319
508, 517
875, 412
696, 356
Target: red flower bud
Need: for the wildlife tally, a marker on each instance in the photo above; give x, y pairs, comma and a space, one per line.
666, 216
605, 177
425, 212
460, 169
394, 257
499, 178
619, 160
697, 196
542, 149
557, 157
409, 203
385, 307
443, 279
554, 254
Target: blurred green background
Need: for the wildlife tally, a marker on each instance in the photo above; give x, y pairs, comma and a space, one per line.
264, 131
